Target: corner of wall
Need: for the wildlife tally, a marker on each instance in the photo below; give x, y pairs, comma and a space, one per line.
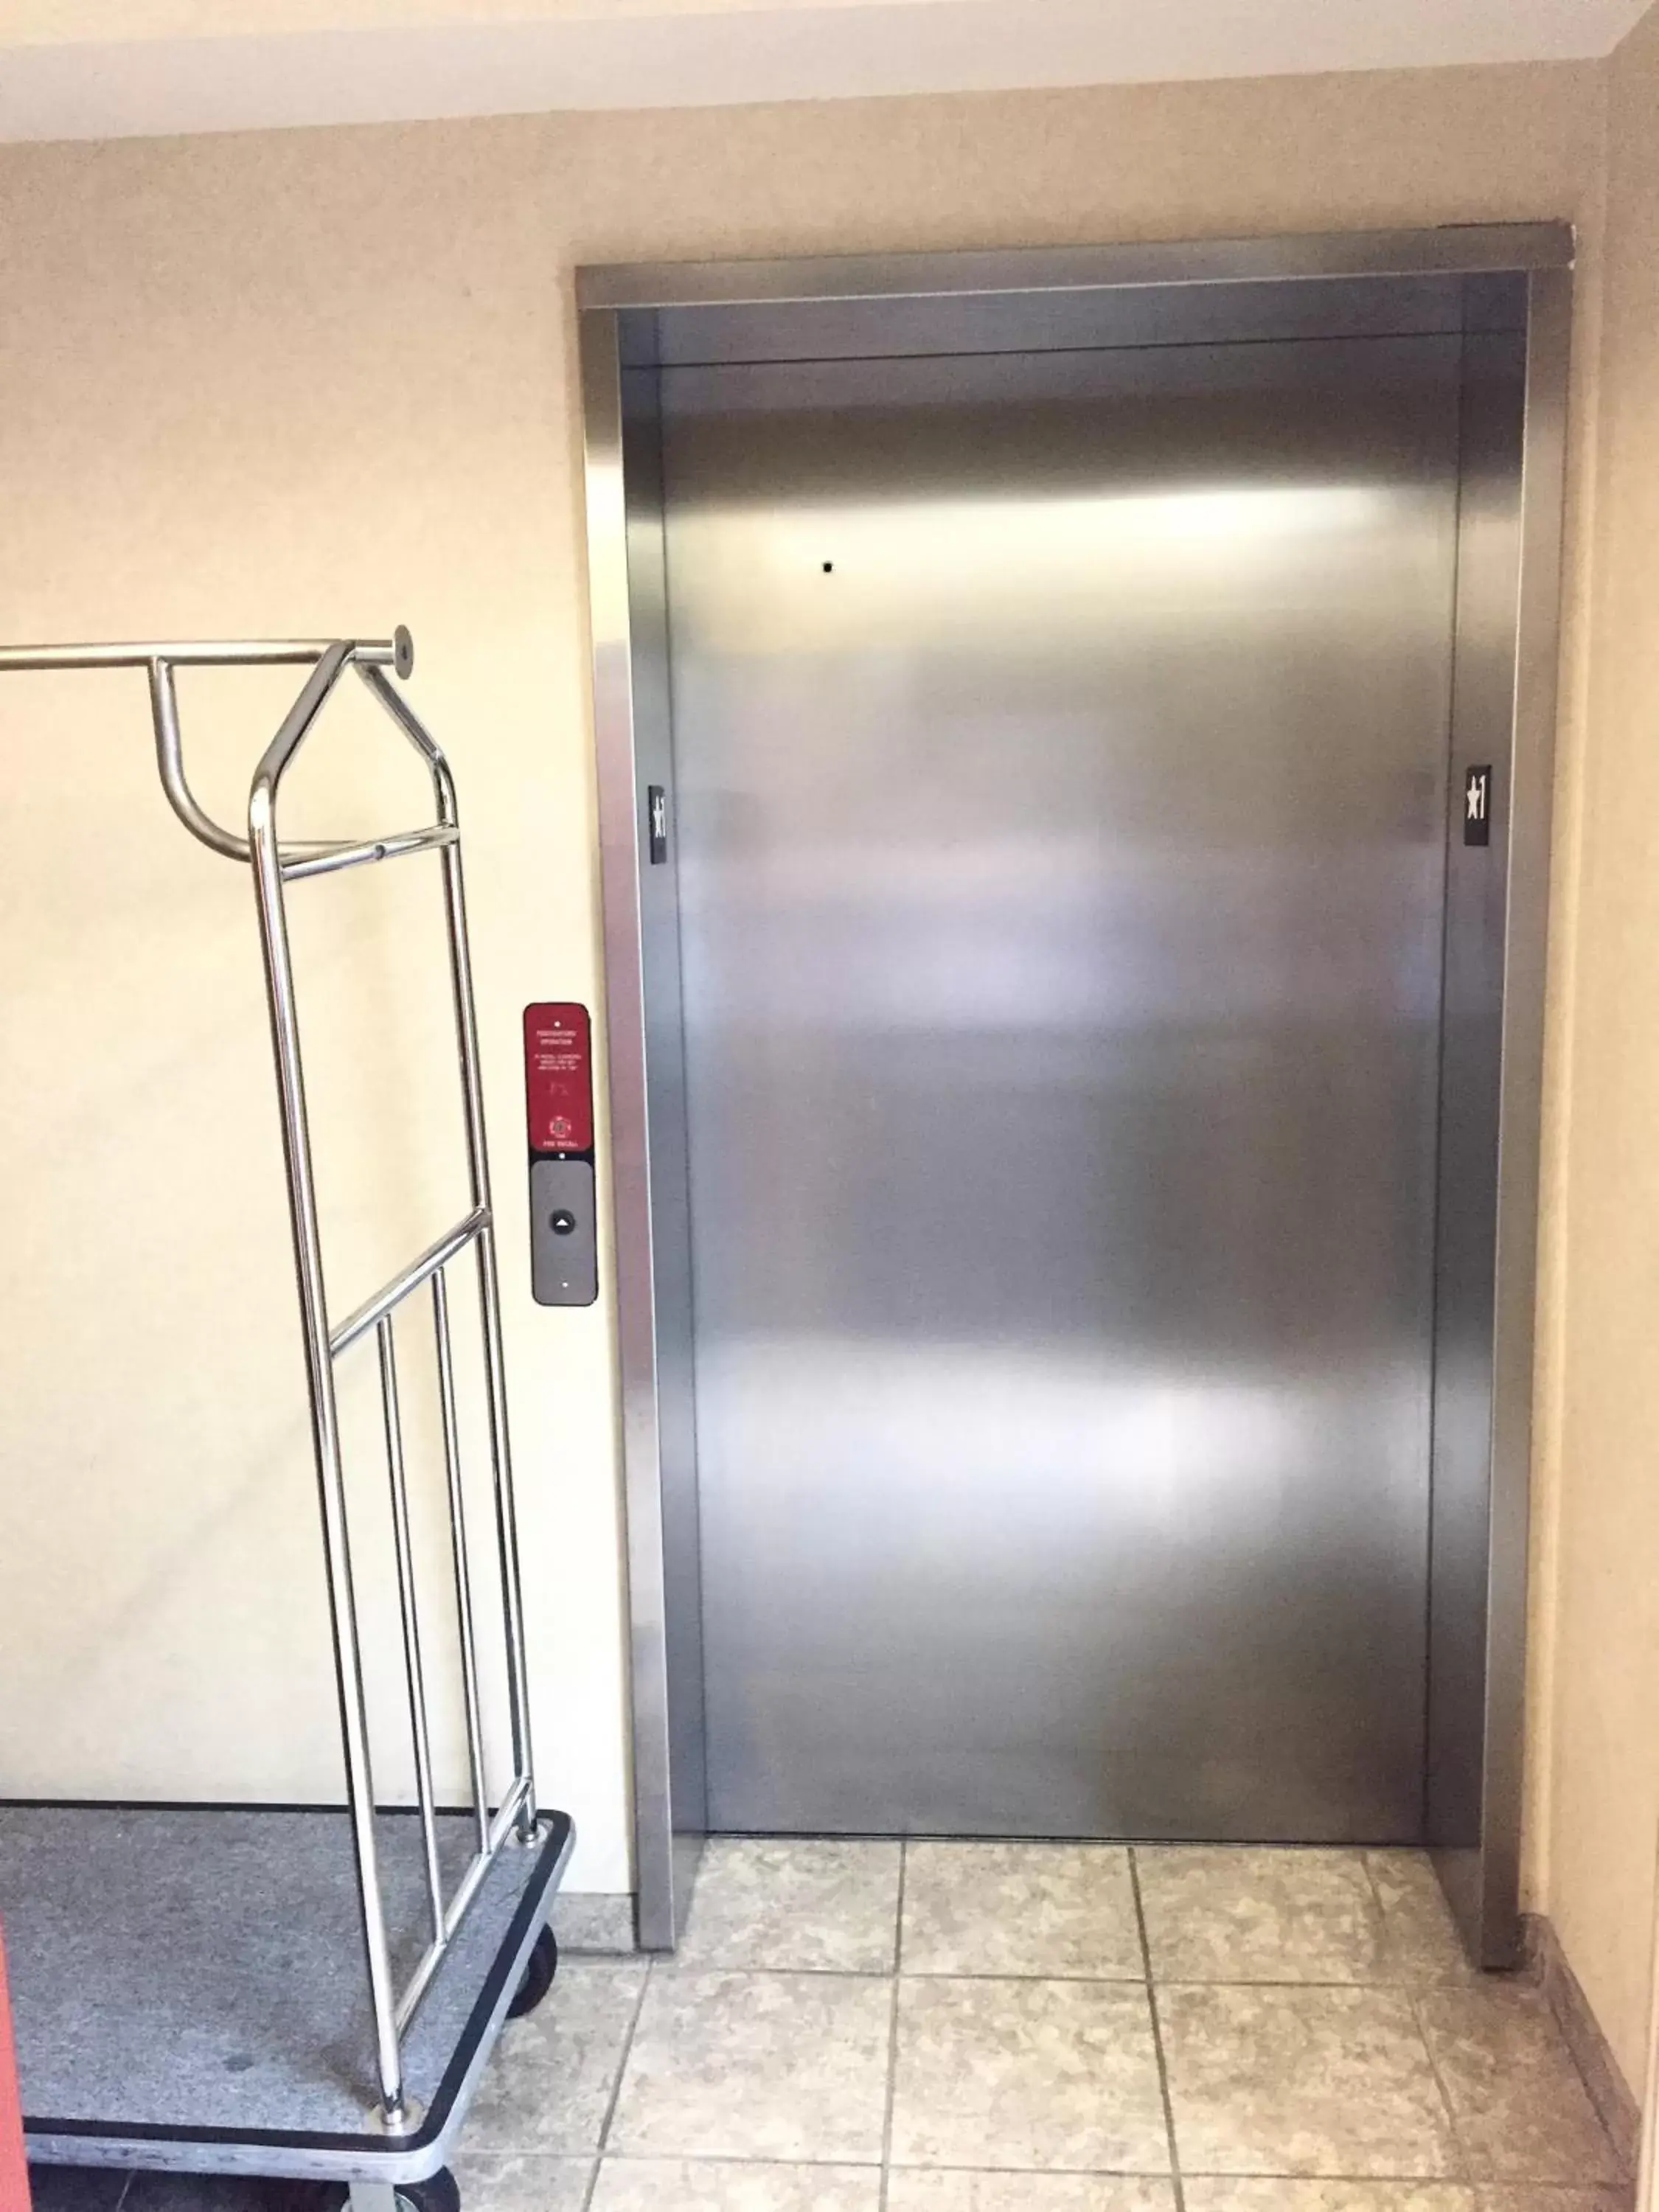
1567, 870
1593, 1796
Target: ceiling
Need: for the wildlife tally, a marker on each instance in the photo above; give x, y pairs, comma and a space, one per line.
93, 69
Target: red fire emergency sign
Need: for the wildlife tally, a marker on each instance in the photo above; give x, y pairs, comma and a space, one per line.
558, 1077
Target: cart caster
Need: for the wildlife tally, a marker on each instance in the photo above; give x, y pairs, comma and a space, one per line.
543, 1964
437, 2193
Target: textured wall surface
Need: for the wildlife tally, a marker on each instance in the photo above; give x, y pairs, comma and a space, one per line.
1604, 1758
316, 381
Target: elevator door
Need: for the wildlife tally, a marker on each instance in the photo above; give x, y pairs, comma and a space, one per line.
1060, 762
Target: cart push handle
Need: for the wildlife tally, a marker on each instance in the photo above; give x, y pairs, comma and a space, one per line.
328, 661
13, 2169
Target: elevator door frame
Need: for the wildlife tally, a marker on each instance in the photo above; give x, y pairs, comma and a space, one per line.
633, 320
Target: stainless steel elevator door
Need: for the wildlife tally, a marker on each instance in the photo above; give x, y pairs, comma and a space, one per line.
1060, 757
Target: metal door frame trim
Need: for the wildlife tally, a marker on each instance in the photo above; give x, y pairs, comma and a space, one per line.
605, 296
1456, 250
1492, 1914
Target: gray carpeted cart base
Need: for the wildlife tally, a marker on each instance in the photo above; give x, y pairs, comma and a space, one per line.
189, 1996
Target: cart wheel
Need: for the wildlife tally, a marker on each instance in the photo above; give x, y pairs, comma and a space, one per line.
538, 1974
437, 2193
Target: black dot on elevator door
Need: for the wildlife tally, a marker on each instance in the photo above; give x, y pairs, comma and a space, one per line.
828, 567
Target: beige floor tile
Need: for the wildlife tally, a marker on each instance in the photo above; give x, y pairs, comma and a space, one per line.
1233, 1915
1001, 2073
783, 2067
1259, 2195
550, 2084
1421, 1946
521, 2181
1303, 2081
926, 2189
595, 1921
1521, 2110
786, 1905
1057, 1910
667, 2184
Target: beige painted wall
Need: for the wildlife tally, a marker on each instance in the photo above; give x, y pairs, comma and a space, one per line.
1604, 1766
310, 380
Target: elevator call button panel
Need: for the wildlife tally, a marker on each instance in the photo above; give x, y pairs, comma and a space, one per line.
558, 1077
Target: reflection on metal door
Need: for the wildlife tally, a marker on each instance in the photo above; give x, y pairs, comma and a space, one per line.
1062, 785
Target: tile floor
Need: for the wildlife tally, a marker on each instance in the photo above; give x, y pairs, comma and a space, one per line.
1043, 2027
1038, 2027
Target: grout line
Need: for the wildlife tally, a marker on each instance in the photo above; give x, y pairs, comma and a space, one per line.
892, 2032
1157, 2033
762, 2164
1381, 1979
1230, 1846
1566, 2192
1459, 2146
1366, 1988
708, 1971
1404, 1984
898, 1925
615, 2098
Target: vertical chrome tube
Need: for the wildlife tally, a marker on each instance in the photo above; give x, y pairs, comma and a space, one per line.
507, 1525
506, 1521
459, 1551
414, 1666
466, 1042
324, 1424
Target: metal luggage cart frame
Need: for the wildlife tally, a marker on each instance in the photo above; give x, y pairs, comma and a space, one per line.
396, 2128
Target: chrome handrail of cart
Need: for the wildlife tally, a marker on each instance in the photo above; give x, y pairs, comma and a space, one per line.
274, 864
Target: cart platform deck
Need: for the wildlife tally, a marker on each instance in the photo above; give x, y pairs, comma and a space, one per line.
189, 1991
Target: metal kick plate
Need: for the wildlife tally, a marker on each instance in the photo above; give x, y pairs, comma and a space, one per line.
564, 1268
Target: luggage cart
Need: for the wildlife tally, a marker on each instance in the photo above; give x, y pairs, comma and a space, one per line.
303, 1993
